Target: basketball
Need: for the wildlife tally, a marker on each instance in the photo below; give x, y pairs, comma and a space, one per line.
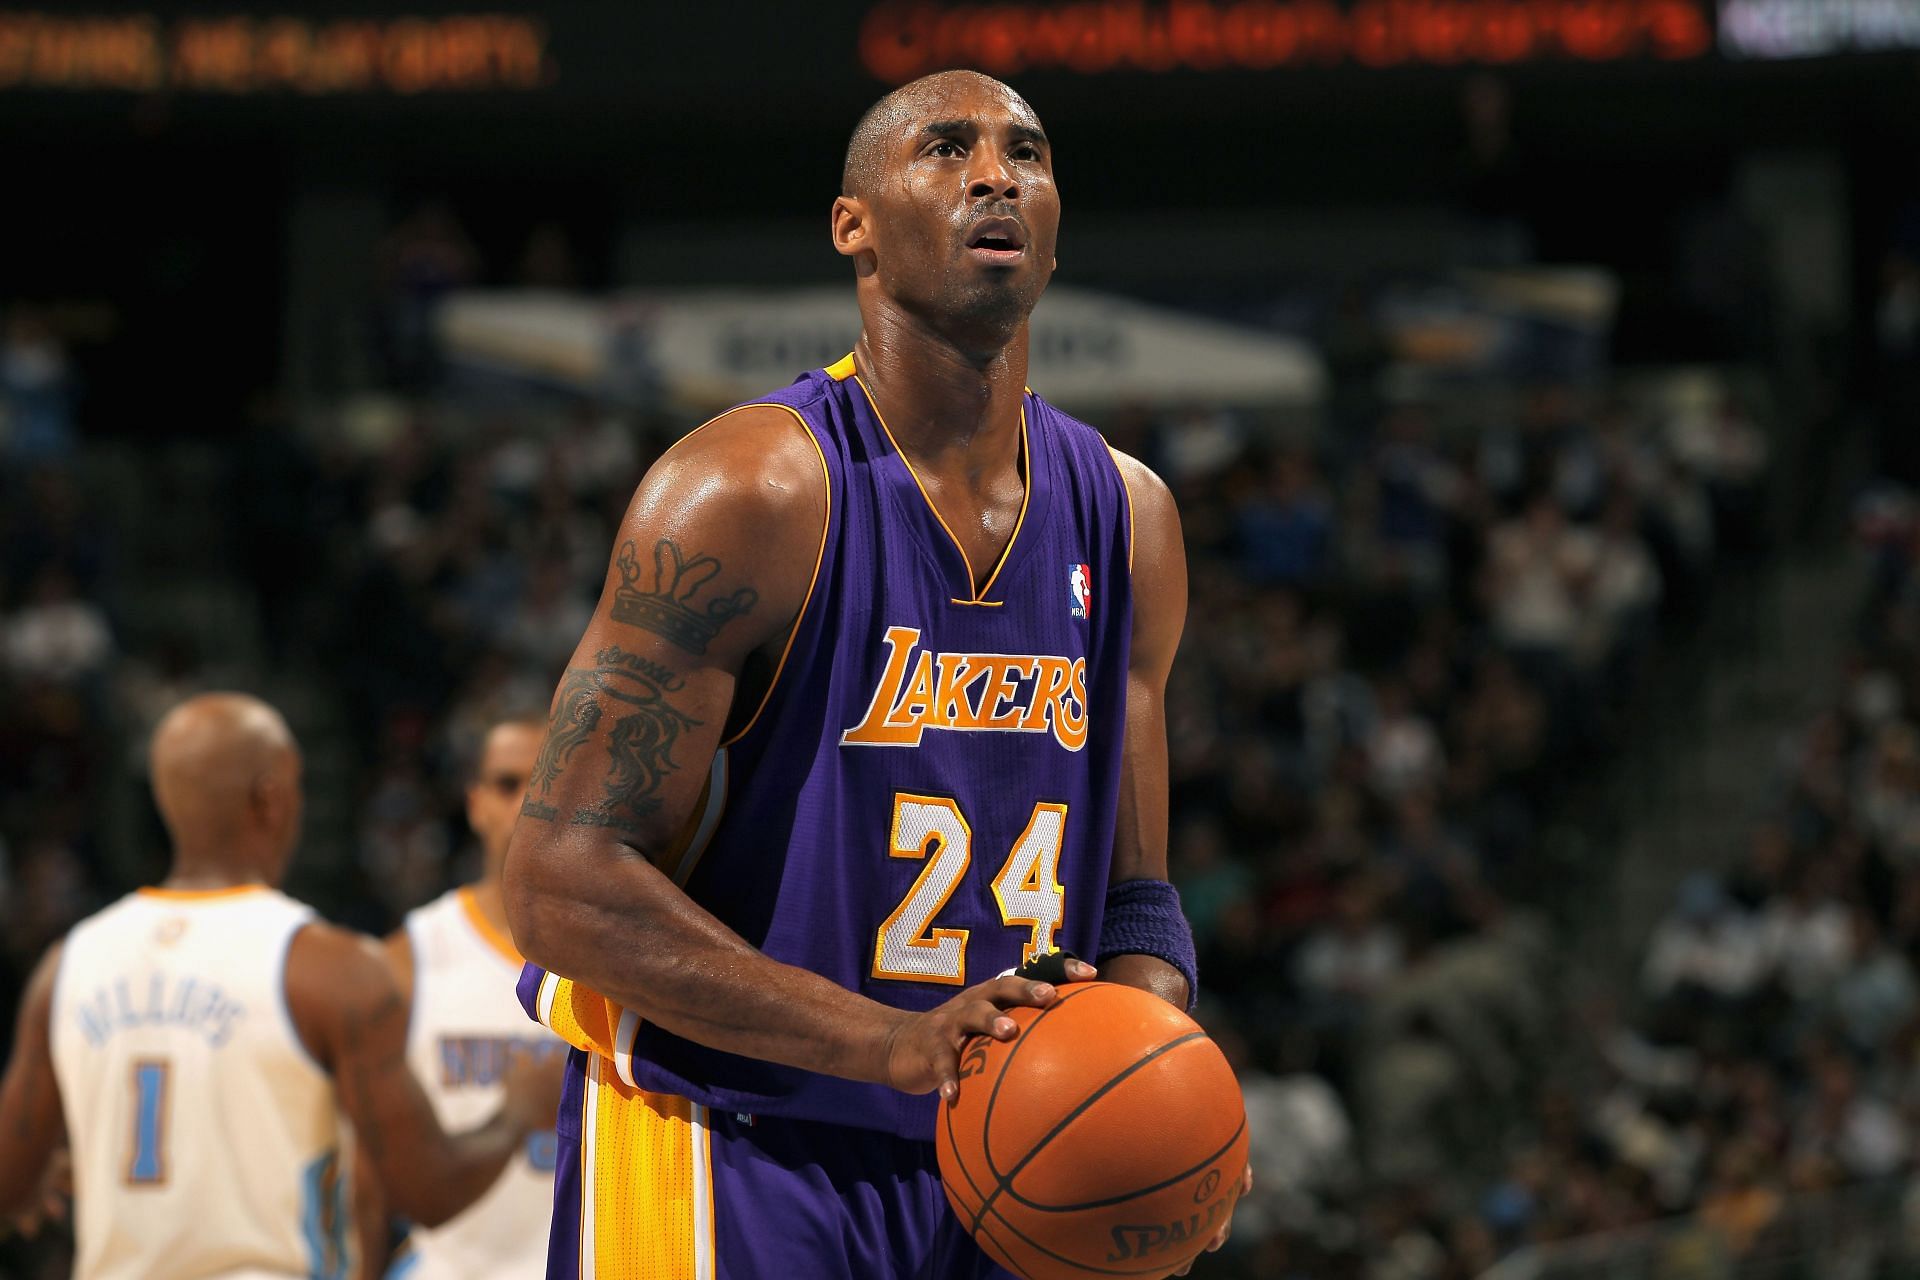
1106, 1139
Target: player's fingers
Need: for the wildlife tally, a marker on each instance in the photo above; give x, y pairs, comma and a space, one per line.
982, 1018
1081, 971
1010, 991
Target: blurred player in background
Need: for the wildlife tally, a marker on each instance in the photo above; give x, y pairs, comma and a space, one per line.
196, 1043
870, 711
456, 965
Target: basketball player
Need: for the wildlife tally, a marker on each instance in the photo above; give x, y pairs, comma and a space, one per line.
195, 1042
456, 966
871, 710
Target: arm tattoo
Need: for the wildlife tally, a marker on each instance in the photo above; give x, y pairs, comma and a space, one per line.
576, 714
631, 690
668, 609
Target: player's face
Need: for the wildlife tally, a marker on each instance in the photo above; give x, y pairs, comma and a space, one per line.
965, 215
499, 787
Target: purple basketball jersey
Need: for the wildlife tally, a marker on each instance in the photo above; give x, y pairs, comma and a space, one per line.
927, 794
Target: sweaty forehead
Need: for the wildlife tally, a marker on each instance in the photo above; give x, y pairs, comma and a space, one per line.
900, 120
986, 103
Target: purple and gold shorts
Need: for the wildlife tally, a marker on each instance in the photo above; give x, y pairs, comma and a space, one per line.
654, 1187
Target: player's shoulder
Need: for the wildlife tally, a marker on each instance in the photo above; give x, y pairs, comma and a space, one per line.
1158, 543
323, 954
1143, 483
760, 457
38, 991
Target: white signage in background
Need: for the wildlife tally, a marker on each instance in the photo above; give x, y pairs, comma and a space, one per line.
712, 346
1816, 28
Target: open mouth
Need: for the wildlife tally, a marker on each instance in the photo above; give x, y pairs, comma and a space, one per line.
997, 237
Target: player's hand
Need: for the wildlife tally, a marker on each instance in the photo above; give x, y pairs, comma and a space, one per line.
533, 1079
923, 1049
1226, 1228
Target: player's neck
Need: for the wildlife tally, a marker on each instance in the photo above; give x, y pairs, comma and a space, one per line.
946, 408
488, 899
194, 871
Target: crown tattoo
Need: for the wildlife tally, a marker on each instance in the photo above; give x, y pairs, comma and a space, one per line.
668, 609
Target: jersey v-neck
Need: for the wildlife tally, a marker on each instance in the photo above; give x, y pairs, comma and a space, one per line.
942, 543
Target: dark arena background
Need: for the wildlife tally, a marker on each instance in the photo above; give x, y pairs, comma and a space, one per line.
1539, 381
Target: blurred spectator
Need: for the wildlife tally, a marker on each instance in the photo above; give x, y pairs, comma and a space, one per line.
1355, 953
57, 637
1707, 948
424, 257
1286, 528
1877, 994
36, 397
1539, 571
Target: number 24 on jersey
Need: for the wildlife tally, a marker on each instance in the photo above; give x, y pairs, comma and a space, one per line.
909, 946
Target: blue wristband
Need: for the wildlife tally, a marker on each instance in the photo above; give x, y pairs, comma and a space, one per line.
1143, 917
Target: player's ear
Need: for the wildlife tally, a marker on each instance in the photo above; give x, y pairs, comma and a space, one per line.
852, 230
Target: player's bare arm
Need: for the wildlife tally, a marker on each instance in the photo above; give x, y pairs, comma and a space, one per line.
351, 1015
1159, 617
31, 1125
712, 567
369, 1196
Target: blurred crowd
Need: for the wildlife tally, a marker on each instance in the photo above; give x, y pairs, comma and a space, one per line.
57, 655
1404, 645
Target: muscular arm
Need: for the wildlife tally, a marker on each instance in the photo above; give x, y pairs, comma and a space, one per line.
712, 566
1159, 615
31, 1123
352, 1017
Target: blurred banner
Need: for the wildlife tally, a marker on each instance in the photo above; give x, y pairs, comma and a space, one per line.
581, 50
714, 347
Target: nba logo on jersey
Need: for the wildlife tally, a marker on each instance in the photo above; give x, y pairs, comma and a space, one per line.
1080, 582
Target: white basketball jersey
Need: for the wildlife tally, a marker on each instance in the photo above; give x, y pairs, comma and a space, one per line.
205, 1140
465, 1017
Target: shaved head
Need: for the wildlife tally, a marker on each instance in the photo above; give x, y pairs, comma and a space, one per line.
225, 773
886, 120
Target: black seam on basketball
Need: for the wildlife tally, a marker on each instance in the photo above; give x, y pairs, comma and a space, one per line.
986, 1119
1131, 1195
1006, 1183
960, 1160
1156, 1269
996, 1250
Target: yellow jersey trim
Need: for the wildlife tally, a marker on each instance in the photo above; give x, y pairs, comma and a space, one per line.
1026, 496
199, 895
1126, 487
819, 558
840, 370
488, 931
